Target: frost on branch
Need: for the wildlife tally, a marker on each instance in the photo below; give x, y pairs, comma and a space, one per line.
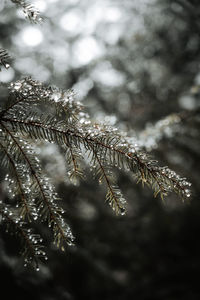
103, 147
151, 136
30, 11
4, 59
31, 248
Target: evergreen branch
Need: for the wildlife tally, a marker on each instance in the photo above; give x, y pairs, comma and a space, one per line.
115, 151
114, 196
168, 127
25, 211
51, 212
71, 129
151, 136
32, 249
161, 179
4, 59
28, 91
74, 158
30, 11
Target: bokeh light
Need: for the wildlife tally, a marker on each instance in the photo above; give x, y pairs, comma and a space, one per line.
31, 36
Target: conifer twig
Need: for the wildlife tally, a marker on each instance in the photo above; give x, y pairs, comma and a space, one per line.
71, 129
4, 59
30, 11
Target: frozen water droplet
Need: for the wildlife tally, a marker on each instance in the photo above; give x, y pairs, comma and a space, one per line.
122, 211
17, 85
56, 96
7, 66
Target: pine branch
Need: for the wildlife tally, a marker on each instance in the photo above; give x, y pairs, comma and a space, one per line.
70, 128
74, 159
31, 243
4, 59
26, 210
30, 11
26, 91
49, 210
114, 196
150, 137
115, 151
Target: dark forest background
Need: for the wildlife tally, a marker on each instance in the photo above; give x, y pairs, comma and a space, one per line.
134, 65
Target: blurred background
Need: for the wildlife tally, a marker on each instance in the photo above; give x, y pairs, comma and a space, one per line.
136, 65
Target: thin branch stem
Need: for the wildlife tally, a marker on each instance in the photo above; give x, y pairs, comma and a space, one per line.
106, 179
